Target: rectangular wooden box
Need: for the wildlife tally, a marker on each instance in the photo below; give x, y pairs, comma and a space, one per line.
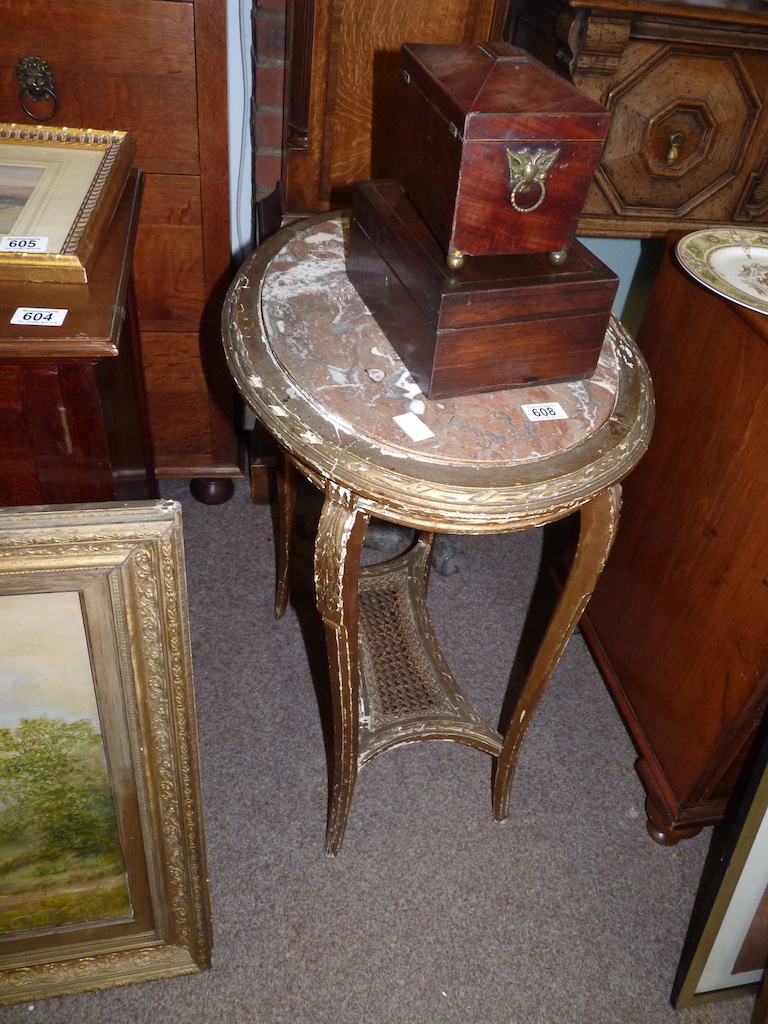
495, 323
496, 151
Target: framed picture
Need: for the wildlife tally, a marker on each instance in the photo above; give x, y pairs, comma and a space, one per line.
103, 877
59, 188
726, 949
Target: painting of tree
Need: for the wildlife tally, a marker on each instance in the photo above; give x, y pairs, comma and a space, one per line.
60, 855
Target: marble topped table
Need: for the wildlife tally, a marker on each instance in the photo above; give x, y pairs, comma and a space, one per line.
314, 366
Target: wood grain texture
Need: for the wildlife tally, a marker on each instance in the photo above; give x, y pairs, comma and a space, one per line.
177, 392
170, 274
662, 69
497, 322
127, 65
72, 404
679, 615
352, 120
158, 69
464, 114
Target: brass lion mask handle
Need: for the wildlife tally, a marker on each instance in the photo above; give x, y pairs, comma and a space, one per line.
528, 170
36, 82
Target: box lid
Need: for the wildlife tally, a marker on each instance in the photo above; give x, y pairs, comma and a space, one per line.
477, 88
486, 289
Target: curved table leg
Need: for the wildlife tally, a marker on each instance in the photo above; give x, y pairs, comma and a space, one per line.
599, 520
338, 548
286, 523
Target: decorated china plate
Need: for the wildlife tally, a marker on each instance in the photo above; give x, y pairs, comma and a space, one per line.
730, 261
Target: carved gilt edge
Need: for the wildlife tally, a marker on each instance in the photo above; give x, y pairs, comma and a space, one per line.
139, 545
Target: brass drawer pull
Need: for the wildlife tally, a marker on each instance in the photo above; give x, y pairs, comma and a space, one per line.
676, 139
36, 81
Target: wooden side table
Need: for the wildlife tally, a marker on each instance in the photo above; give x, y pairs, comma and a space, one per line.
73, 411
322, 378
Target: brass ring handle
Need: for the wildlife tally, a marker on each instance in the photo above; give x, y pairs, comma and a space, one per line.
36, 82
676, 139
524, 187
529, 168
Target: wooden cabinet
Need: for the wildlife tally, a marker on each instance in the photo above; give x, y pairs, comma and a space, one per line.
156, 68
678, 618
342, 92
686, 86
73, 412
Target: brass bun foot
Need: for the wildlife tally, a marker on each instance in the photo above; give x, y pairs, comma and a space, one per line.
455, 259
557, 258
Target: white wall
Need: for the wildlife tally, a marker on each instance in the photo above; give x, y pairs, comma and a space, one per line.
636, 262
240, 87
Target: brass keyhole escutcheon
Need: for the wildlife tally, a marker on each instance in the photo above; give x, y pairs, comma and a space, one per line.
676, 139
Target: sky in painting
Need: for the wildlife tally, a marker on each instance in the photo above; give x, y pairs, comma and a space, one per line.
44, 664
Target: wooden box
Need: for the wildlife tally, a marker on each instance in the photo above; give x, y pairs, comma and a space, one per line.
495, 323
496, 151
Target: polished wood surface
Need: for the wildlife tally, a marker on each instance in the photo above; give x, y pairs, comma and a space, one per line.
685, 85
464, 113
678, 618
156, 68
496, 322
73, 411
483, 469
342, 86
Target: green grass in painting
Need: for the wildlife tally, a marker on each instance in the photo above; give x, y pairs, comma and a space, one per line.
60, 856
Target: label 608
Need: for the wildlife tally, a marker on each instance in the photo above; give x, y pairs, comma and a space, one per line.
545, 411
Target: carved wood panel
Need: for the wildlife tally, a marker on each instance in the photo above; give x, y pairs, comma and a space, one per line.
686, 90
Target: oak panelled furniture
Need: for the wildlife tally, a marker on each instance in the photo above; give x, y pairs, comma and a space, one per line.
678, 619
686, 86
342, 86
74, 425
156, 68
322, 378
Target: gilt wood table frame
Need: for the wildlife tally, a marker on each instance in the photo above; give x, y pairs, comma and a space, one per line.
362, 476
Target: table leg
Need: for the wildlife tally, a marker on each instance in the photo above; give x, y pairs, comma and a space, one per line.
337, 568
599, 520
286, 523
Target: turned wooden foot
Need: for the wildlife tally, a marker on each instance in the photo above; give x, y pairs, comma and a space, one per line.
662, 833
213, 491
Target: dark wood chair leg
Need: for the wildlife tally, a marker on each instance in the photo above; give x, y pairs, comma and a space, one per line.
286, 525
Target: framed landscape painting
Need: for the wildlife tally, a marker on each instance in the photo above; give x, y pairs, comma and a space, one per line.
103, 877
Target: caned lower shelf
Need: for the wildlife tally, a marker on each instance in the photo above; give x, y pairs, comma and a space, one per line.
408, 692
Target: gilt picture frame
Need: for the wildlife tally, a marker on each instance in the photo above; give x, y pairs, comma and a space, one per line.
726, 948
103, 874
59, 188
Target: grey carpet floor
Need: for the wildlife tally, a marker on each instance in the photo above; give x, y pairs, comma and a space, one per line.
433, 913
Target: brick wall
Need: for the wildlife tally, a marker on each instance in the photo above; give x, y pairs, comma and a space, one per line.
269, 18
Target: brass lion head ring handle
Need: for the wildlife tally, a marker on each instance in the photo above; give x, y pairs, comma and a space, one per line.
528, 168
36, 82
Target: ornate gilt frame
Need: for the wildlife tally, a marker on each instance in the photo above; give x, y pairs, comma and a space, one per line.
126, 563
100, 188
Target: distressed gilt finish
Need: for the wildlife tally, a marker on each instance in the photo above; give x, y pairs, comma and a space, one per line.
295, 342
126, 562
